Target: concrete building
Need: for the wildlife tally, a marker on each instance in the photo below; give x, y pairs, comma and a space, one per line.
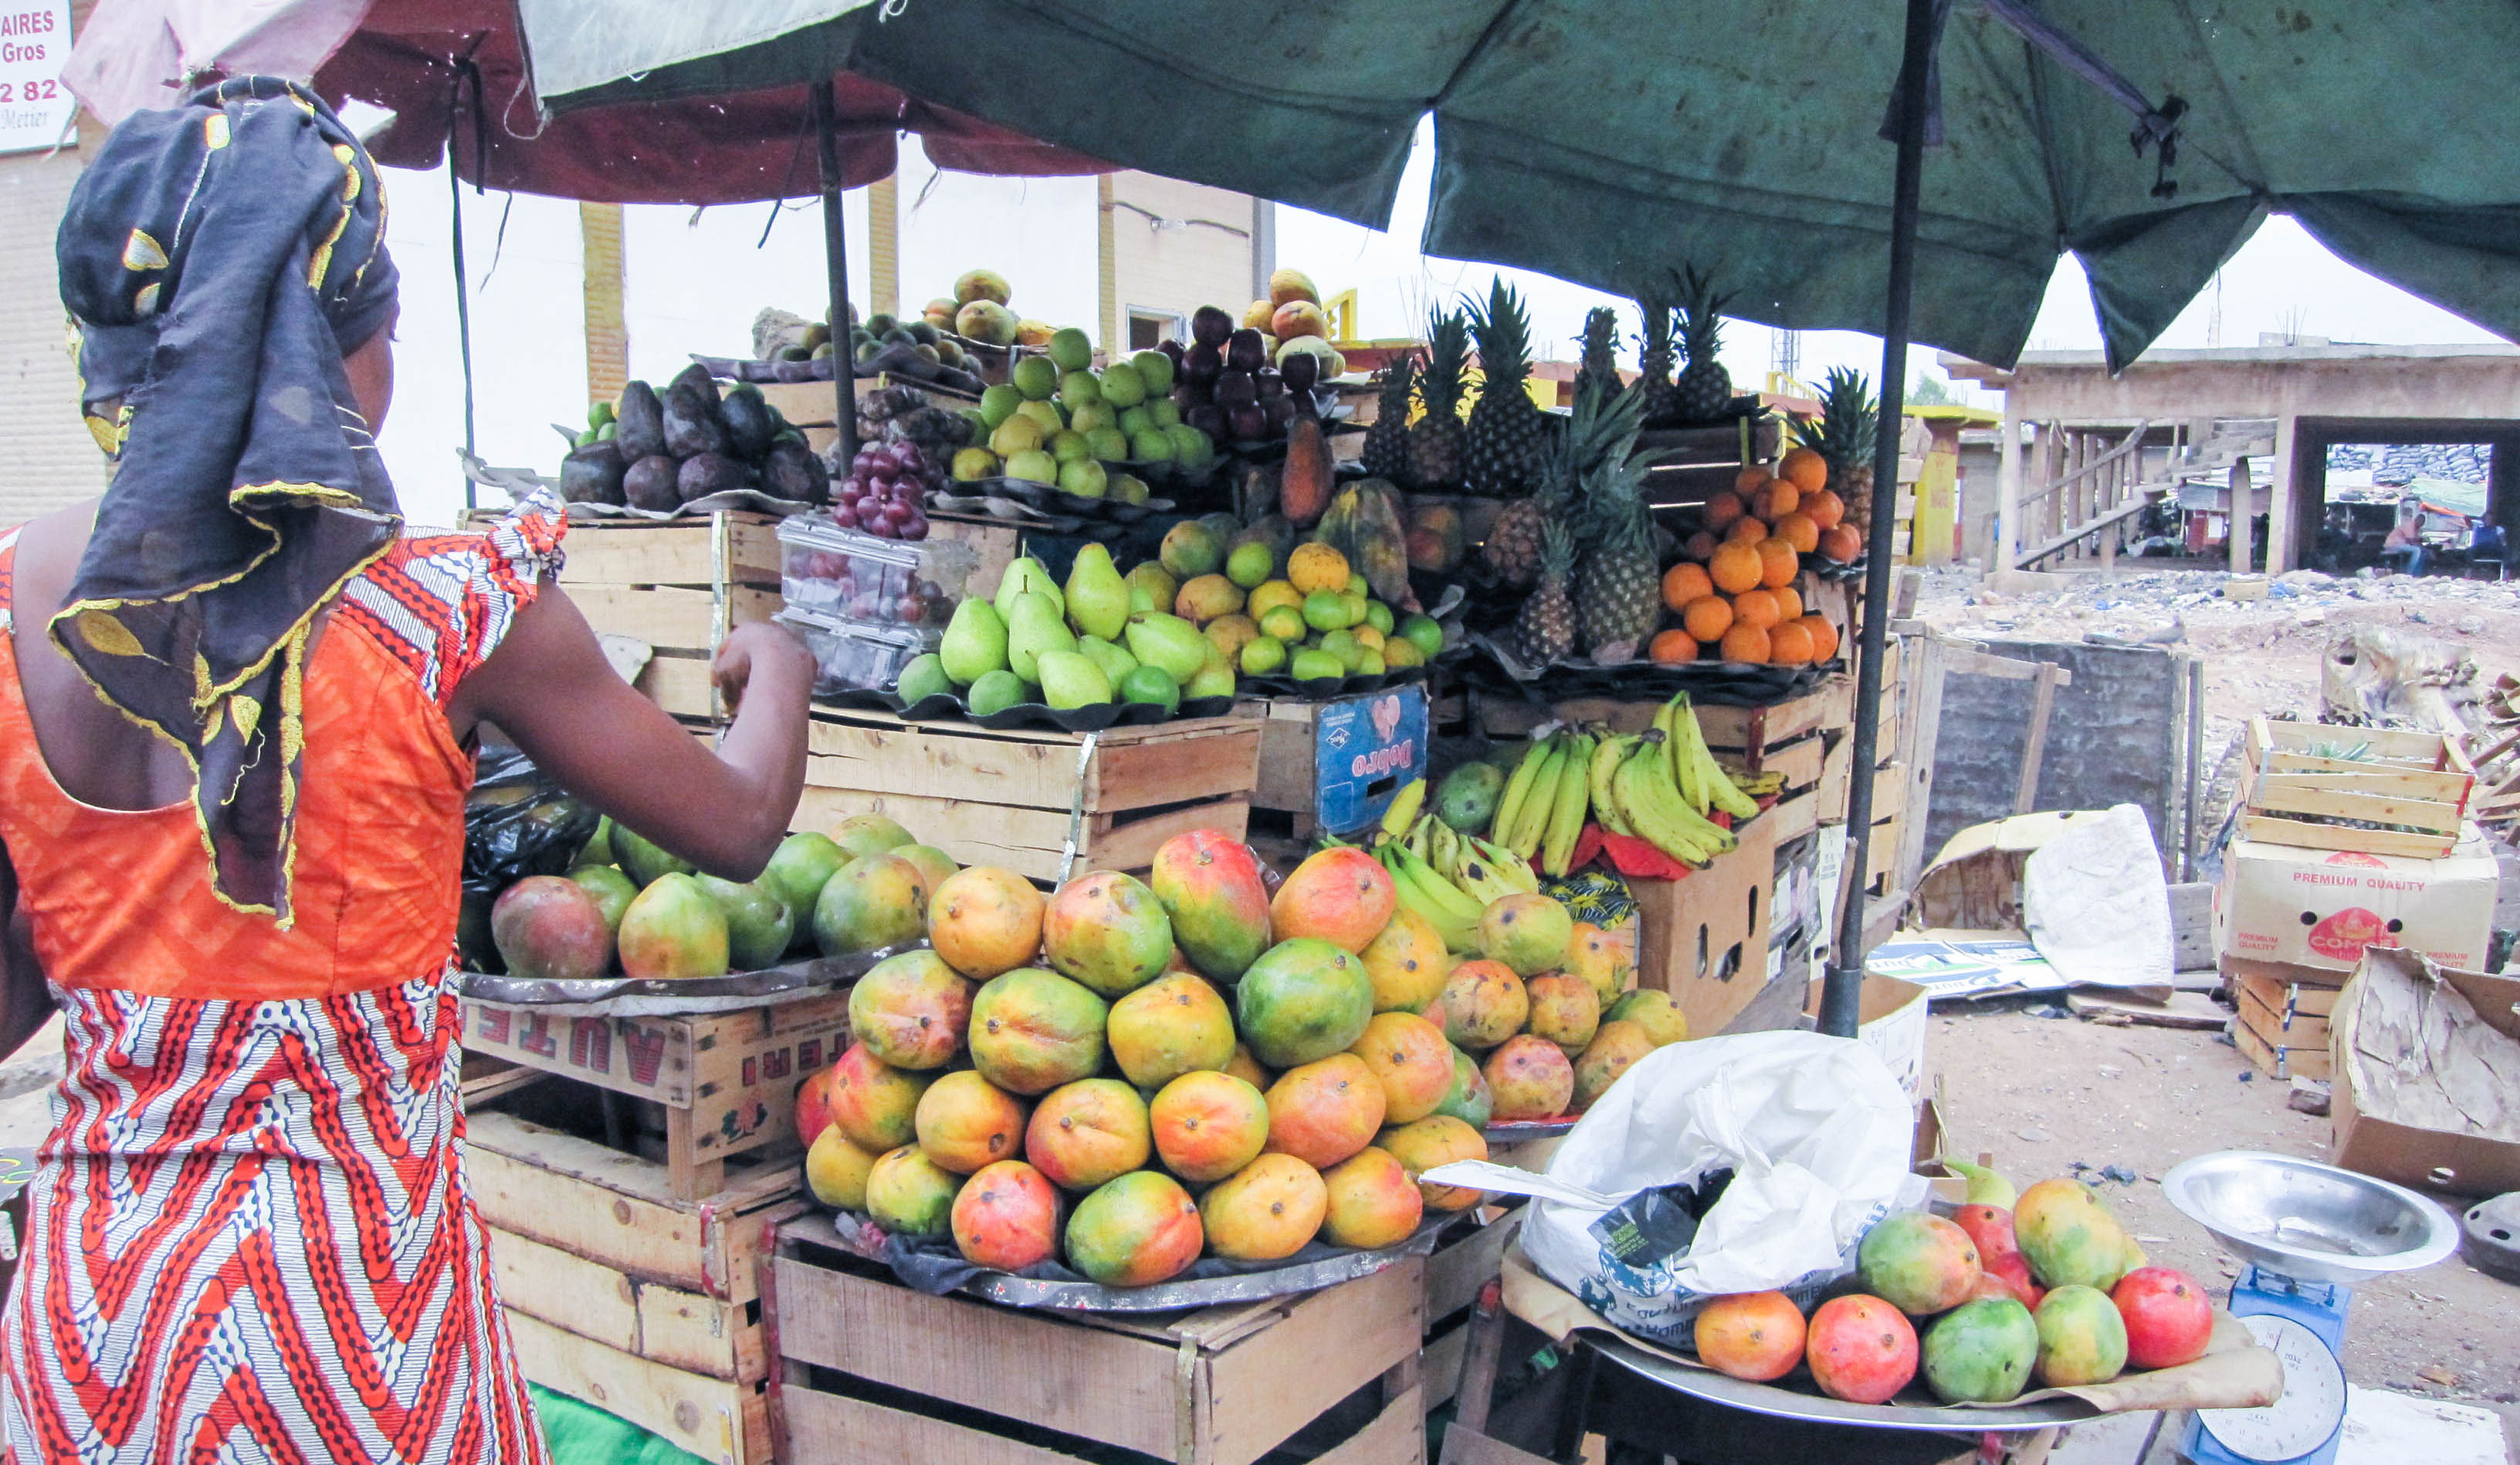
2082, 450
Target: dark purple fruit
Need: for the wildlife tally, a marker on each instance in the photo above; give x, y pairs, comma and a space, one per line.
1271, 384
1202, 362
1171, 349
1301, 369
1209, 326
1250, 422
1236, 389
1208, 417
1281, 411
652, 484
1246, 352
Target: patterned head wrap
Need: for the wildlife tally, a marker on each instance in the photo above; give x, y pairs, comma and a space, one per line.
218, 259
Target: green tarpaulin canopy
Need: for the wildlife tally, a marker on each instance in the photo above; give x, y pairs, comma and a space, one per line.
1608, 141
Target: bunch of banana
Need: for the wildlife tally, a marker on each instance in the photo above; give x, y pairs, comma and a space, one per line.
1450, 877
1651, 804
1547, 800
1403, 812
1701, 780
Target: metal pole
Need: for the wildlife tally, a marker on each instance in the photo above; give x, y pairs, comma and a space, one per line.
463, 314
836, 259
1842, 992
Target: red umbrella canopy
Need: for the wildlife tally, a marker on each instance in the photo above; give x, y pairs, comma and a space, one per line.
452, 73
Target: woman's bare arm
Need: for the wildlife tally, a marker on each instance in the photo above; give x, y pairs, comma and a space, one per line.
549, 687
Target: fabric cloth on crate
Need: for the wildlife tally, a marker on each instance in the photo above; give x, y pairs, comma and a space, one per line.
218, 259
252, 1237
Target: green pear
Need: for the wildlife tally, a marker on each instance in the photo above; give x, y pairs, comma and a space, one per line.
974, 644
1213, 679
1070, 680
1096, 598
1151, 587
1149, 685
996, 693
1033, 629
1025, 574
1167, 641
1114, 659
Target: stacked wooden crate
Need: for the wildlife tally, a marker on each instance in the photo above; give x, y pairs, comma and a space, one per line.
677, 585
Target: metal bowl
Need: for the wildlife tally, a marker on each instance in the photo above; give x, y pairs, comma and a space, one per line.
2308, 1221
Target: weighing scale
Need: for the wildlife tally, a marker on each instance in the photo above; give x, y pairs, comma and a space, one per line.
2309, 1233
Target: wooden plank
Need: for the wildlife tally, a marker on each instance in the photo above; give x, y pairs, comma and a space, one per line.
1219, 755
717, 1420
621, 1210
568, 1291
689, 1330
671, 553
2281, 1026
2287, 796
2268, 829
2287, 997
1455, 1273
1396, 1437
1003, 1361
679, 684
1027, 841
830, 1429
1441, 1363
670, 617
1130, 843
2281, 1062
2182, 1009
1264, 1387
2034, 746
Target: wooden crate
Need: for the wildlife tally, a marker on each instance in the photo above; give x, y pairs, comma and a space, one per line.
679, 585
1009, 798
871, 1371
622, 1293
2284, 1026
727, 1081
2418, 781
1744, 735
1461, 1266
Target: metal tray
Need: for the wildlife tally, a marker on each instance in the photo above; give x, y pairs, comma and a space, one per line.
629, 996
1922, 1414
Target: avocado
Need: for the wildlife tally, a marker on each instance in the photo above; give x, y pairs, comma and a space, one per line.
643, 422
748, 426
791, 471
593, 475
706, 473
652, 484
692, 423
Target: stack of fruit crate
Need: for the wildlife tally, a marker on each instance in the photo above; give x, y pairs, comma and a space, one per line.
678, 586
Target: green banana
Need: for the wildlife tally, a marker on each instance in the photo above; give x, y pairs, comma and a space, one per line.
1517, 788
1507, 865
1455, 900
1718, 785
1566, 814
1459, 935
1442, 848
1608, 754
1652, 803
1531, 822
1404, 807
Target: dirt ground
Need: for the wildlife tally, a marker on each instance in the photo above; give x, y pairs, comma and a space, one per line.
2045, 1094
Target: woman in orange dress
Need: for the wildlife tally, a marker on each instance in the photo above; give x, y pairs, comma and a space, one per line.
237, 714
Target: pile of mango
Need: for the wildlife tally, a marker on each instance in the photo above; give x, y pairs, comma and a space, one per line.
1125, 1076
2046, 1287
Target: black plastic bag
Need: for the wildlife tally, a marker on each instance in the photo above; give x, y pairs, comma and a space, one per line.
518, 823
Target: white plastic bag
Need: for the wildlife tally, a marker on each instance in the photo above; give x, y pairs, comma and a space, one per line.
2096, 905
1816, 1129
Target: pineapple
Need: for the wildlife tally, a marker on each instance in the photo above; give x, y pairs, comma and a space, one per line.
1602, 417
1435, 443
1705, 389
1599, 360
1387, 443
1655, 357
1544, 629
1508, 430
1846, 435
1618, 589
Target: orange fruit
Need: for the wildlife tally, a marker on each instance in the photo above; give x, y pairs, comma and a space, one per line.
1779, 499
1750, 529
1789, 643
1672, 646
1756, 607
1721, 509
1684, 583
1736, 567
1799, 530
1825, 509
1744, 644
1777, 562
1707, 617
1789, 603
1805, 469
1751, 1335
1839, 544
1752, 477
1824, 635
1700, 547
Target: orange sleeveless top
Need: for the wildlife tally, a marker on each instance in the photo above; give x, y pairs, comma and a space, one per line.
122, 900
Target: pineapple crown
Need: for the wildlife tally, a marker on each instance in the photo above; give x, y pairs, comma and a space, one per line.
1556, 553
1848, 430
1656, 310
1448, 354
1701, 315
1399, 384
1615, 500
1600, 338
1503, 331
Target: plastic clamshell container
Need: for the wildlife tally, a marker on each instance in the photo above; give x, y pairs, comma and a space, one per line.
853, 656
847, 575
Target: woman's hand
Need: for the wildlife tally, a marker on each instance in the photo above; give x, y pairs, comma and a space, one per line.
763, 643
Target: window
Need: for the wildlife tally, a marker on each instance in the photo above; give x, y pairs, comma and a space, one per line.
1148, 327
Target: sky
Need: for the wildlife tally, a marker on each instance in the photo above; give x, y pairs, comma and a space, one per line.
697, 278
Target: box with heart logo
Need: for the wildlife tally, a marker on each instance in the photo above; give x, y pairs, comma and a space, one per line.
2292, 914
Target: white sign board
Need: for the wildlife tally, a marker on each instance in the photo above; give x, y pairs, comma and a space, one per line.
35, 109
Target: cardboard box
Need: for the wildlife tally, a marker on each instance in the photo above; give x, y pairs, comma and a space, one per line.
2381, 1127
1890, 1020
2298, 914
1705, 939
